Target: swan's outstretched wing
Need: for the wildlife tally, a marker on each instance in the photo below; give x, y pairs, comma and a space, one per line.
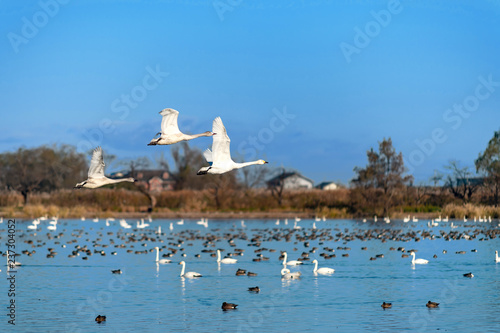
220, 146
208, 155
96, 169
169, 121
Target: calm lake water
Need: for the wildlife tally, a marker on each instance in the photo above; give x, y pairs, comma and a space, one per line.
63, 294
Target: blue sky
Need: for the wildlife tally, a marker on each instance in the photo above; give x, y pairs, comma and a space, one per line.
308, 85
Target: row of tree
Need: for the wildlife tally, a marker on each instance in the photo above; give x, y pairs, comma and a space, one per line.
50, 168
383, 183
378, 188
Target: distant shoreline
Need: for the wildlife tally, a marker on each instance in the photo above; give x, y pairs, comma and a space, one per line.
290, 215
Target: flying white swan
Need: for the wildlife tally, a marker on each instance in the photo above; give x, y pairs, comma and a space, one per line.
497, 258
225, 260
161, 261
418, 261
96, 176
188, 275
285, 274
291, 262
322, 270
220, 156
170, 132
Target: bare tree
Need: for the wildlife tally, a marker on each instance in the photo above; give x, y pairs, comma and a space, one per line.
460, 182
41, 169
254, 177
138, 164
277, 185
221, 187
187, 162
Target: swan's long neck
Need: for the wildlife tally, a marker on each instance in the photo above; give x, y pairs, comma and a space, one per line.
413, 255
242, 165
183, 267
315, 266
114, 181
218, 256
157, 254
194, 136
284, 259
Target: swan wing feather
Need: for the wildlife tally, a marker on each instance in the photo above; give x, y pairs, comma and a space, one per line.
169, 121
208, 155
96, 169
220, 146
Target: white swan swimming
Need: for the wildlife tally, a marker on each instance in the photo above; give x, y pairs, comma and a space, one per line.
124, 224
161, 261
418, 261
34, 224
109, 219
322, 270
96, 176
225, 260
144, 223
52, 226
285, 274
291, 262
188, 275
170, 132
497, 258
220, 156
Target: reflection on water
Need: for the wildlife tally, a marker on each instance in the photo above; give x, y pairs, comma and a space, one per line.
64, 294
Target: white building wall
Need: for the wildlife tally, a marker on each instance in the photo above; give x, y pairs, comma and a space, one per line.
294, 182
330, 187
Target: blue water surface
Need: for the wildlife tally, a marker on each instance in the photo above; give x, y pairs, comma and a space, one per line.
63, 294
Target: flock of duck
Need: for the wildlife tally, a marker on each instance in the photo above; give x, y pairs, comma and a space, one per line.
125, 239
219, 158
